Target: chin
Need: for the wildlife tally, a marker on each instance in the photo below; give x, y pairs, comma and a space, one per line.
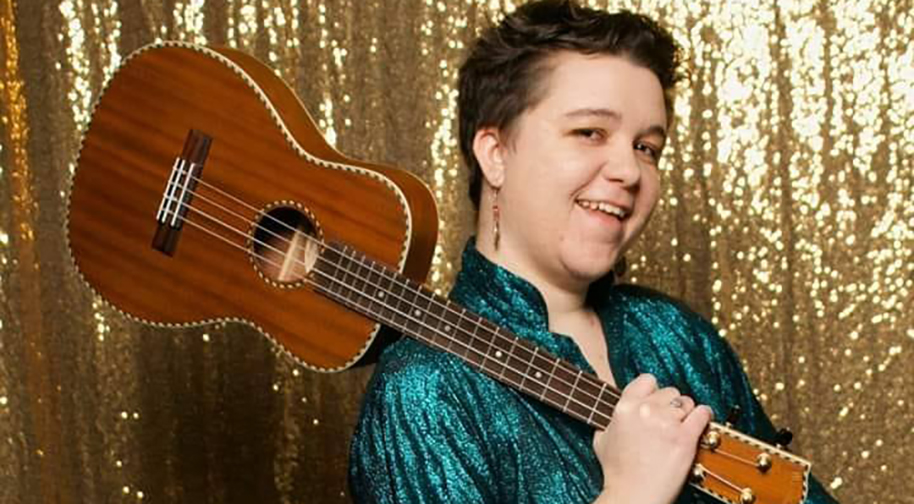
589, 270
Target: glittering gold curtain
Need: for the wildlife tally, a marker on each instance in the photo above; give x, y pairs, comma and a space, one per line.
787, 219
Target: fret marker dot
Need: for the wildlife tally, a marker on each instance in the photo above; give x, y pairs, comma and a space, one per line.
538, 374
498, 354
380, 294
447, 328
417, 312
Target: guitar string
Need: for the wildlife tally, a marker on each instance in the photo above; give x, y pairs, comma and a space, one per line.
431, 300
594, 409
406, 316
613, 392
611, 406
725, 481
592, 380
433, 342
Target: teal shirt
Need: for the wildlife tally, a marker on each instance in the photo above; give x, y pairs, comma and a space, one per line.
432, 429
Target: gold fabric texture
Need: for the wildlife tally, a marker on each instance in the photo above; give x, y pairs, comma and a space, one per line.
787, 219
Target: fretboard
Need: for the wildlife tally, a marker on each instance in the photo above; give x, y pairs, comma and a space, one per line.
384, 295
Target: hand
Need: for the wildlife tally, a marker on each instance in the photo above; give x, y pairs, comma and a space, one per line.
649, 447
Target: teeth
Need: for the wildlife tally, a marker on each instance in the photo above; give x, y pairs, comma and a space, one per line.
603, 207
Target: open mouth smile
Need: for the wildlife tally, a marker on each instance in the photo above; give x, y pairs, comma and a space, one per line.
602, 206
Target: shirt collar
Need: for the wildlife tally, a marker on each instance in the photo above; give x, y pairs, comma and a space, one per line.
508, 300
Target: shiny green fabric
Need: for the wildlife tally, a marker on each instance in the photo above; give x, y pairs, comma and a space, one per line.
433, 430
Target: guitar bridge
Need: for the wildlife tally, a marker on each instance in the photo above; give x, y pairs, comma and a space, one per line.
179, 191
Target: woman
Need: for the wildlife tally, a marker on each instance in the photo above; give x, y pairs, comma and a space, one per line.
564, 115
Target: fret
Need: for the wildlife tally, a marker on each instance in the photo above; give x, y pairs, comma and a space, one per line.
395, 296
455, 319
413, 323
512, 371
507, 357
421, 305
335, 285
363, 285
462, 336
580, 405
366, 281
519, 360
491, 358
409, 293
394, 300
590, 386
384, 284
607, 406
449, 330
550, 395
373, 276
533, 384
572, 390
352, 281
543, 364
420, 314
435, 314
597, 403
474, 340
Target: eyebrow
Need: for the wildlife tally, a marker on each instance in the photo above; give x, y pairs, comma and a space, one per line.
655, 129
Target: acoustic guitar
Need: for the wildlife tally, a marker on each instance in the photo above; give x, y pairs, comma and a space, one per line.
204, 193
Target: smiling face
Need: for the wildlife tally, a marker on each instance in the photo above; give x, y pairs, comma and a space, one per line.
577, 173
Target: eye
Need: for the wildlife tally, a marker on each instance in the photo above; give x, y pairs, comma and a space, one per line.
652, 152
590, 134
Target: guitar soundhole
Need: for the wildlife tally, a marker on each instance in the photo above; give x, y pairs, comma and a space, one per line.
285, 245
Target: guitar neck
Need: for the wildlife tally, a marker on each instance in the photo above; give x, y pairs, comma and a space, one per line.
730, 466
365, 286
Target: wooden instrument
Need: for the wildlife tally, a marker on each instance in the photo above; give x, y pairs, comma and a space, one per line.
204, 193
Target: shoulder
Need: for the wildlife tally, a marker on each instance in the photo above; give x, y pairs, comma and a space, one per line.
640, 317
424, 388
408, 371
637, 303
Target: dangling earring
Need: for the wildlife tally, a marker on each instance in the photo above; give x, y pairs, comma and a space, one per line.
496, 217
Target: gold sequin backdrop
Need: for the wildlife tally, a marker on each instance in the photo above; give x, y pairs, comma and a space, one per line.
788, 219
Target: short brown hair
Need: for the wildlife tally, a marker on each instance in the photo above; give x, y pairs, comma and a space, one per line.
498, 81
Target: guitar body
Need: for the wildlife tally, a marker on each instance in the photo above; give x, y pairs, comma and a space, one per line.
264, 161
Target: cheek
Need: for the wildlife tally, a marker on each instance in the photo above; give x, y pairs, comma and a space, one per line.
650, 191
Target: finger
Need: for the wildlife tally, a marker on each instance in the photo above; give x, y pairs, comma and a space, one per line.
668, 401
687, 404
641, 387
665, 395
696, 421
598, 438
680, 407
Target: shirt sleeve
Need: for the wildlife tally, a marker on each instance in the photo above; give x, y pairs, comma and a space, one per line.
415, 441
734, 389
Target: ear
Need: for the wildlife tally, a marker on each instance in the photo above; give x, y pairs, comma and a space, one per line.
488, 146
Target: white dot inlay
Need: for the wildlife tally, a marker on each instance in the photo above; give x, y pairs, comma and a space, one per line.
417, 312
447, 328
380, 294
538, 374
498, 354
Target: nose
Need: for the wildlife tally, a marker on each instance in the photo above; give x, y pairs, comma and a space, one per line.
622, 166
